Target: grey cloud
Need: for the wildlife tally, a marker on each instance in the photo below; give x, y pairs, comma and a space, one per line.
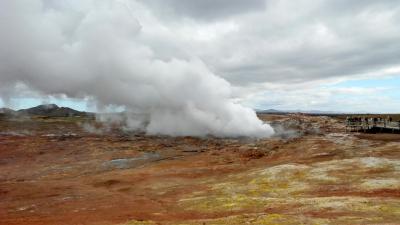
247, 43
204, 9
299, 42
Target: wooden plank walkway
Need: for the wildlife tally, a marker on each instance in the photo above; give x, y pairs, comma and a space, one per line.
381, 126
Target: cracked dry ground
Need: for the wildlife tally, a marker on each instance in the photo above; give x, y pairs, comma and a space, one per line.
52, 172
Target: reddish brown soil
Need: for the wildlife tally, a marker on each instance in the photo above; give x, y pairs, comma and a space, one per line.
48, 177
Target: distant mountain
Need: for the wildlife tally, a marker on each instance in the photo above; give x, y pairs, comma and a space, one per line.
7, 111
51, 110
270, 111
320, 112
311, 112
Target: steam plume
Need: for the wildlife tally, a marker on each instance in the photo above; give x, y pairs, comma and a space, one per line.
100, 49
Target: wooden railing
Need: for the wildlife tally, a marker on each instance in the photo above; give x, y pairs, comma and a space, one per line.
371, 124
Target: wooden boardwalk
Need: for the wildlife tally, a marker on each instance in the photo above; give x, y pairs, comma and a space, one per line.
367, 126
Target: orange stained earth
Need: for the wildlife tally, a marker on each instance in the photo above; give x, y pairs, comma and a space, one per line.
52, 171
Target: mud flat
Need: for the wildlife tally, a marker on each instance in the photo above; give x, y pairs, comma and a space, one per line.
311, 172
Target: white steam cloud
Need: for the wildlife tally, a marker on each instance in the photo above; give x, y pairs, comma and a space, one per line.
100, 49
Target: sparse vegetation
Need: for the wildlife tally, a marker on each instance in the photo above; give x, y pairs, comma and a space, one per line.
316, 175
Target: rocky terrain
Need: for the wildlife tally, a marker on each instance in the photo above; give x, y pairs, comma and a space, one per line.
53, 171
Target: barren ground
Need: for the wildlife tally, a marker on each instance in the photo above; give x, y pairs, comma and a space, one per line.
53, 172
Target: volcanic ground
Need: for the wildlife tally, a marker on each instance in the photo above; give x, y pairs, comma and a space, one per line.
53, 171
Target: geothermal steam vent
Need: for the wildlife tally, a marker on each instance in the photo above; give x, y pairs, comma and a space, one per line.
102, 51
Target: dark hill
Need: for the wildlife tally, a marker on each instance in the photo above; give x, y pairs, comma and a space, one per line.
7, 111
51, 110
271, 111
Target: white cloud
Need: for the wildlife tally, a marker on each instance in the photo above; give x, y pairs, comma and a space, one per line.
275, 53
100, 50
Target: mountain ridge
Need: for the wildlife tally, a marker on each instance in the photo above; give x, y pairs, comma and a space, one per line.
46, 110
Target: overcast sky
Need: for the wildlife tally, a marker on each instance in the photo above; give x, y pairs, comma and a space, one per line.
331, 55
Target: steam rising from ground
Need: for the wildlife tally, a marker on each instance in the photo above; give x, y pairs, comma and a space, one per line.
100, 49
